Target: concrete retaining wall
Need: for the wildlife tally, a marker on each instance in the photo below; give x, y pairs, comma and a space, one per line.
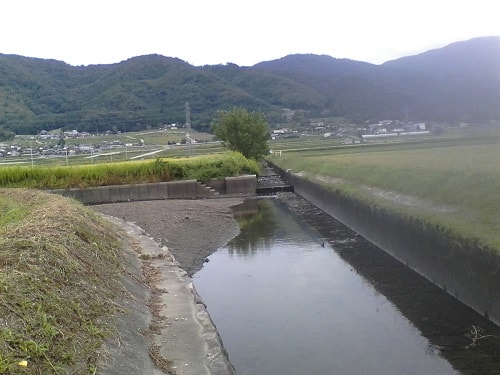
241, 184
186, 189
219, 185
460, 266
235, 185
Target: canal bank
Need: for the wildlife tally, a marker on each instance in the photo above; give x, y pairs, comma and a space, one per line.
298, 292
461, 267
193, 229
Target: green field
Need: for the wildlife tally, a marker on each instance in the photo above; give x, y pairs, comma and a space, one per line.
453, 182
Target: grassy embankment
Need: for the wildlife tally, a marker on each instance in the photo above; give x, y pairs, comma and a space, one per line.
60, 262
201, 168
59, 274
451, 183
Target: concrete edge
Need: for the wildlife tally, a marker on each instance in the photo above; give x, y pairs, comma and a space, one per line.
199, 345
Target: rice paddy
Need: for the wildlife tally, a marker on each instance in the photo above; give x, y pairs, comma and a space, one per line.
202, 168
460, 176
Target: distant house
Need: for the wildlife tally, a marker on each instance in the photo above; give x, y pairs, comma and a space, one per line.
71, 134
44, 134
415, 127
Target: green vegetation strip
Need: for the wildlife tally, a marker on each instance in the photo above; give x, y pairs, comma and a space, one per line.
201, 168
59, 267
456, 183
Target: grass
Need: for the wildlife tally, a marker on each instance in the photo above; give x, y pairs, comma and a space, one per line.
457, 179
59, 275
201, 168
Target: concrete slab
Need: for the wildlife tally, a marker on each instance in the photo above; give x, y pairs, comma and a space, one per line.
181, 330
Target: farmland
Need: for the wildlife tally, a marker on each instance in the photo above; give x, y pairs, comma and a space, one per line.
115, 159
92, 149
450, 181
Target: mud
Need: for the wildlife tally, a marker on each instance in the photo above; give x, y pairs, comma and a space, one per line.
191, 229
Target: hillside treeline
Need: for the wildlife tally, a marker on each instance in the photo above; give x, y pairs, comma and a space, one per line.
457, 83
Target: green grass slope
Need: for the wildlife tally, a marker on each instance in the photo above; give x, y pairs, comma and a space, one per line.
59, 266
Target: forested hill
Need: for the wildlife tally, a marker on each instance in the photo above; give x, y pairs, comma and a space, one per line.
456, 83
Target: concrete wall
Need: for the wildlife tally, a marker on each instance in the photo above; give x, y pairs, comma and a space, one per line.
241, 184
219, 185
460, 266
185, 189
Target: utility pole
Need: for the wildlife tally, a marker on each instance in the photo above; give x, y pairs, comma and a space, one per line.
188, 117
31, 148
188, 126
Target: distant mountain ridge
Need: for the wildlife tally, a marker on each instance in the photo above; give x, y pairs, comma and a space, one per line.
456, 83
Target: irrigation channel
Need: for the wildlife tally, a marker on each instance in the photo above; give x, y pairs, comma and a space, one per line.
296, 292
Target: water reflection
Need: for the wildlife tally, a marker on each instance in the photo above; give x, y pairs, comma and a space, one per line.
301, 294
257, 227
450, 326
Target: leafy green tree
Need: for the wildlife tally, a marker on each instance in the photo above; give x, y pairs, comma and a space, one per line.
61, 142
6, 135
243, 131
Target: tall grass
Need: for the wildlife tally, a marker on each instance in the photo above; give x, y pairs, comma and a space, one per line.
160, 170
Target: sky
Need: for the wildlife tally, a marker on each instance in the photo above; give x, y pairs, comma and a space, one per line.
243, 32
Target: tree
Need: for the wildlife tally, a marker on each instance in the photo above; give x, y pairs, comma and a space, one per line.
6, 135
243, 131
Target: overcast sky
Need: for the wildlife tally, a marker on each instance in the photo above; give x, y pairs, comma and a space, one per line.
242, 32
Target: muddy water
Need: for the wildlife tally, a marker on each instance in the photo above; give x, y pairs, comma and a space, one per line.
298, 293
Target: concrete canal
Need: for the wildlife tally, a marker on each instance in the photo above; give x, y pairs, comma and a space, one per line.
299, 293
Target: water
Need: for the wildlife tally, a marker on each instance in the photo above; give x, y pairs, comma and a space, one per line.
286, 302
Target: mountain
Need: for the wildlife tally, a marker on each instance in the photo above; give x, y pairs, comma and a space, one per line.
456, 83
459, 81
462, 57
